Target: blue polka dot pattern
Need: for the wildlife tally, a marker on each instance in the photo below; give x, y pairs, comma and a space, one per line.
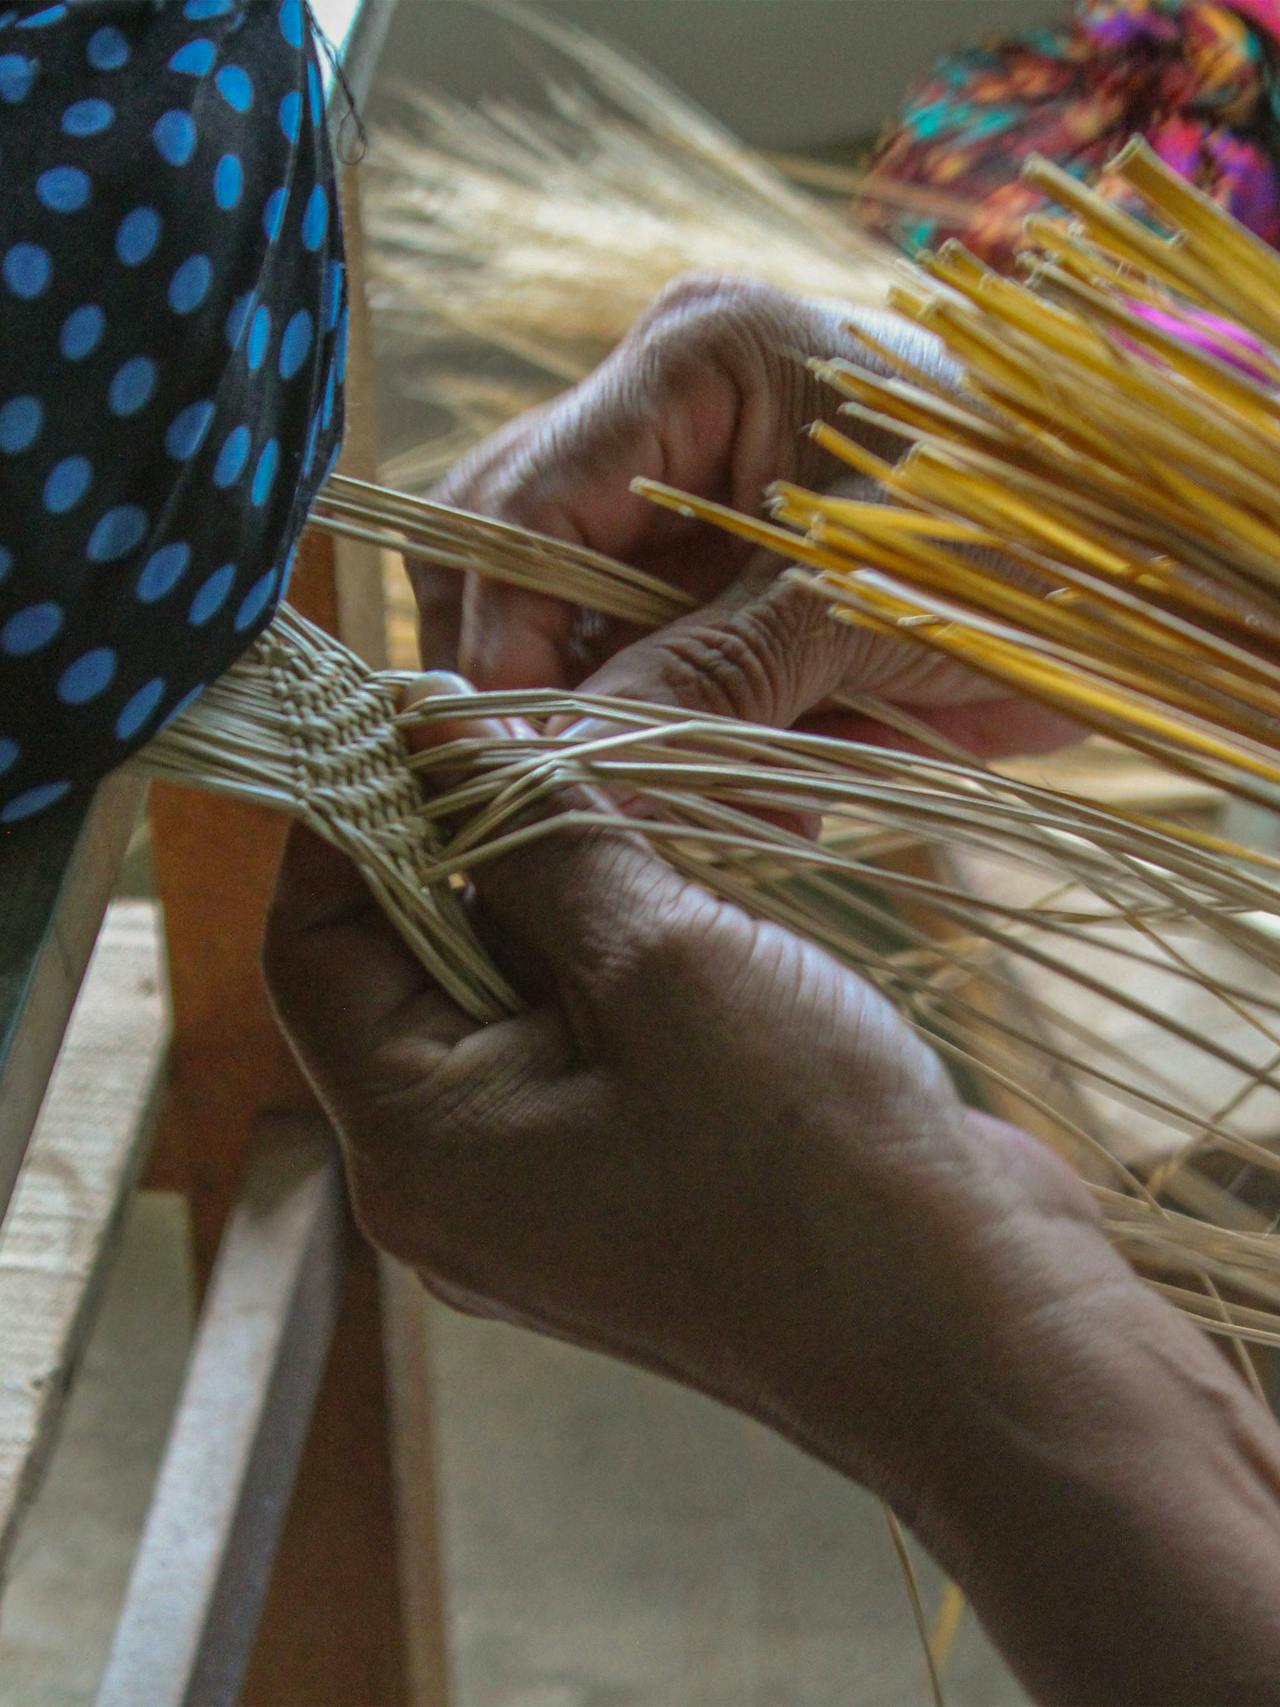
190, 284
64, 189
137, 236
315, 221
172, 298
108, 49
188, 430
232, 457
17, 74
290, 115
118, 533
162, 571
132, 385
82, 332
91, 674
265, 473
228, 182
333, 287
139, 708
255, 601
212, 595
238, 319
31, 629
255, 350
41, 20
295, 343
27, 269
195, 59
291, 26
88, 118
185, 703
67, 484
20, 421
289, 562
235, 86
175, 136
273, 213
33, 800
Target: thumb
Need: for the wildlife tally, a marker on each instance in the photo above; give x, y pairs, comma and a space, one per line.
577, 900
765, 651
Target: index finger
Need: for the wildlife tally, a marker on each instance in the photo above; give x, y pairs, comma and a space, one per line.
573, 889
339, 975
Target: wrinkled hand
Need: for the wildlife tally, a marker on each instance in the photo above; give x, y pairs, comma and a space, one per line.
707, 1147
708, 393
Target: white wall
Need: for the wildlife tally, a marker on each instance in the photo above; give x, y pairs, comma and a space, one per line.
781, 73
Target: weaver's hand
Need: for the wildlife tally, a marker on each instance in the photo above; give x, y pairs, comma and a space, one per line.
710, 1149
708, 393
707, 1146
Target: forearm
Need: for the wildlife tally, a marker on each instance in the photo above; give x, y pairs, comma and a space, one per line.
1109, 1498
1084, 1462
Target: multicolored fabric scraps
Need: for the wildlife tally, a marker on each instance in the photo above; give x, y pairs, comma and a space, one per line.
1200, 80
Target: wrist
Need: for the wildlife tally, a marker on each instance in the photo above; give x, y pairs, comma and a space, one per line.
986, 1248
1110, 1502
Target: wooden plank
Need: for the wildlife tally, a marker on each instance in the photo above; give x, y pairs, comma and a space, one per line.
333, 1631
202, 1569
406, 1311
228, 1061
82, 1161
56, 875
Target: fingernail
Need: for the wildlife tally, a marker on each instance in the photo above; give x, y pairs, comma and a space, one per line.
439, 684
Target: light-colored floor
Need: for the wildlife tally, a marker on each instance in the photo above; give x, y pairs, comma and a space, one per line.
72, 1559
614, 1541
611, 1540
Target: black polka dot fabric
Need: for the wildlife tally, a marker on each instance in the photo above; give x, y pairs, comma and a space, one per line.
172, 339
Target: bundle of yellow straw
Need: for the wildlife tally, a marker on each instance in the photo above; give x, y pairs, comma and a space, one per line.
1124, 470
1106, 976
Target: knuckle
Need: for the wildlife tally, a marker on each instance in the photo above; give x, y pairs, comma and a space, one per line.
716, 317
729, 293
690, 290
724, 669
663, 954
767, 662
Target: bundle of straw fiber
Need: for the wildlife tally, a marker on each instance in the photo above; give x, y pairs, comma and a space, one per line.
1105, 975
545, 235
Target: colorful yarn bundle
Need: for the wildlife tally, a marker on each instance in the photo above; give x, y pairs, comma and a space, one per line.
1196, 78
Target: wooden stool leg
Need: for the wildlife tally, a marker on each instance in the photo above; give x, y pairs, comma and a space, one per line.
332, 1631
